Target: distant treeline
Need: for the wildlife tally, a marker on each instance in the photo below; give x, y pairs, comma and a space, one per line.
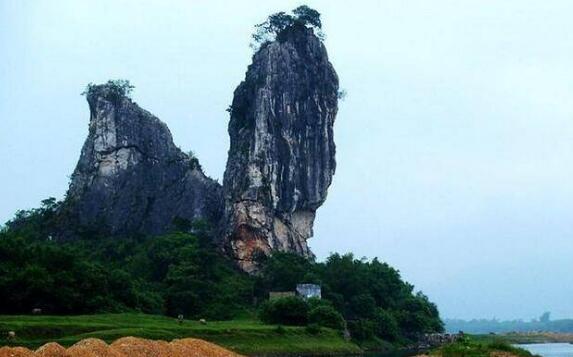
483, 326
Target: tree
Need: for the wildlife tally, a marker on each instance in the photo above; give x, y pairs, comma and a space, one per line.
545, 317
386, 326
282, 272
114, 90
285, 311
308, 16
326, 316
278, 23
362, 306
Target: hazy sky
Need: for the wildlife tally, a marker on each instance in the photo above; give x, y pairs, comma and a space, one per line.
455, 143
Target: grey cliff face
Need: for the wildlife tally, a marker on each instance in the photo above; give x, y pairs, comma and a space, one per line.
131, 178
281, 160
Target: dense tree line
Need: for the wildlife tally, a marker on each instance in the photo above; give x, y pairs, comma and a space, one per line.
370, 295
176, 273
183, 273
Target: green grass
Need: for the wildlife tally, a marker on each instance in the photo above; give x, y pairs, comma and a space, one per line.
479, 347
246, 336
521, 338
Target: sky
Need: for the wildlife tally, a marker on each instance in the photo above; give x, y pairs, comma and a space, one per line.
454, 143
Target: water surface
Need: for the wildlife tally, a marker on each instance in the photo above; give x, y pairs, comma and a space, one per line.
550, 349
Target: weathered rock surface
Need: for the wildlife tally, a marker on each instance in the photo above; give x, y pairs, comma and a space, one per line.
281, 160
131, 178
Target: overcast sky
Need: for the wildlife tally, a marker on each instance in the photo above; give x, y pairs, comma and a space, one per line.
454, 144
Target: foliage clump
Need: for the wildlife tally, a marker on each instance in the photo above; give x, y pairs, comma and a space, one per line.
194, 161
327, 316
114, 90
293, 310
289, 310
466, 346
280, 23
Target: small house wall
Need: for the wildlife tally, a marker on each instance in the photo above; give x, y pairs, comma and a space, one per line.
308, 291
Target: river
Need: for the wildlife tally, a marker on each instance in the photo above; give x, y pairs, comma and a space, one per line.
549, 349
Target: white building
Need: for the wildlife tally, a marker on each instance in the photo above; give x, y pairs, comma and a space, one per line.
308, 291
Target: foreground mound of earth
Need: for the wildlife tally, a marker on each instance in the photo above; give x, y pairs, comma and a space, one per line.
124, 347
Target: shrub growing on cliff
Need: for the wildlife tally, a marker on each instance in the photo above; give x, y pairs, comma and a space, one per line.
307, 16
278, 23
113, 90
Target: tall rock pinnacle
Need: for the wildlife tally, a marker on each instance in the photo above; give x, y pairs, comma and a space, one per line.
131, 178
281, 160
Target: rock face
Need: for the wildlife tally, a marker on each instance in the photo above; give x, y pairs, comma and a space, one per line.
131, 178
281, 160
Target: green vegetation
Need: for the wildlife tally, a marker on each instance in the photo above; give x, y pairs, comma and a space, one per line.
528, 337
278, 24
183, 273
326, 316
469, 347
244, 336
288, 311
481, 326
113, 90
194, 161
370, 295
298, 312
177, 273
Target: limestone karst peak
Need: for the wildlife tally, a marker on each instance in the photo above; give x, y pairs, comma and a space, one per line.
132, 179
281, 159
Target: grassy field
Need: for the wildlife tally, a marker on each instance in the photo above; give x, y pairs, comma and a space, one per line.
243, 336
480, 346
531, 337
538, 337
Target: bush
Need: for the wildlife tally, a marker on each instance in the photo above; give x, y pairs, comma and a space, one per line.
386, 326
113, 90
315, 302
362, 330
287, 311
280, 22
467, 347
312, 329
362, 306
326, 316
